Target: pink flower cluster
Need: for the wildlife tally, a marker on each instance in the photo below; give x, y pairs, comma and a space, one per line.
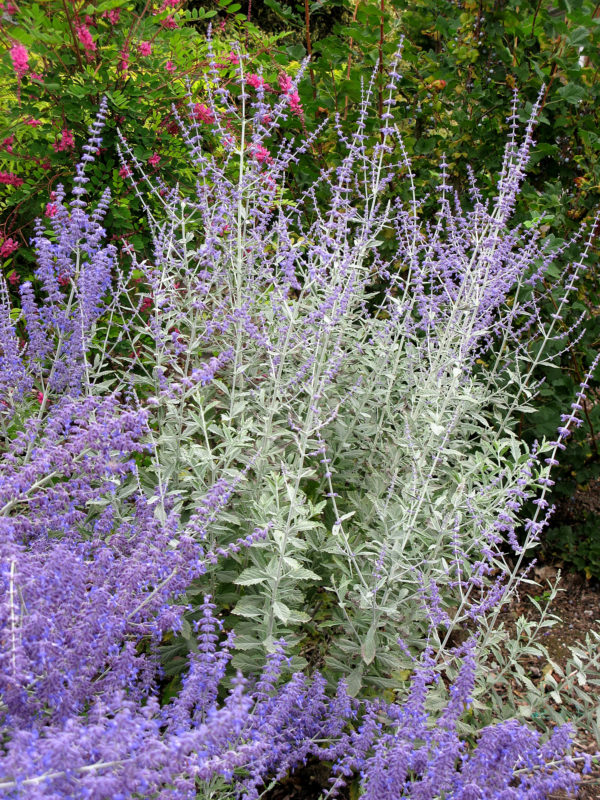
145, 48
7, 247
10, 179
34, 122
256, 81
154, 159
293, 98
170, 66
8, 8
7, 144
125, 172
85, 37
231, 59
124, 64
168, 23
112, 16
66, 141
20, 59
51, 209
203, 114
259, 152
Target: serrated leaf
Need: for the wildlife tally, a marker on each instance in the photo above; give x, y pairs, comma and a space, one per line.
303, 574
281, 611
250, 576
249, 607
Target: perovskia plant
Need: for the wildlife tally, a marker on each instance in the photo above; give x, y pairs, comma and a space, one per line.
260, 426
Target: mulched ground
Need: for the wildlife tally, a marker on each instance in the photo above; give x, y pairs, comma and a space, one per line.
578, 607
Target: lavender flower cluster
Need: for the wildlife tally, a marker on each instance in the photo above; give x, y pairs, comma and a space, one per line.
253, 391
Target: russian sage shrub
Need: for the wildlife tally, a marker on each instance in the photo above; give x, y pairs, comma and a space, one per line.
371, 431
192, 443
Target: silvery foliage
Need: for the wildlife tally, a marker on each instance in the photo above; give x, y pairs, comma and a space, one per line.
372, 433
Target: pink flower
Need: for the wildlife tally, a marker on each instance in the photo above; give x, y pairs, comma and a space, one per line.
170, 66
293, 98
112, 16
51, 209
256, 81
46, 164
10, 179
7, 247
85, 37
228, 142
145, 48
124, 64
295, 104
7, 144
154, 159
66, 141
40, 397
169, 23
285, 82
34, 122
125, 172
203, 114
90, 21
20, 59
260, 153
35, 77
13, 278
